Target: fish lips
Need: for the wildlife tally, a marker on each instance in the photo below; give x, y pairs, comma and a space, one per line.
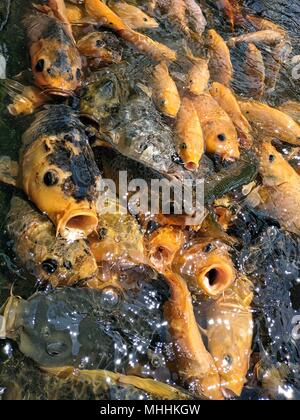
77, 223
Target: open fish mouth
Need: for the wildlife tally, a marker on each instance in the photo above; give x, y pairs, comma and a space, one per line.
77, 224
216, 278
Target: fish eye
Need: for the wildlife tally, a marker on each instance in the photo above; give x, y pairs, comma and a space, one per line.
183, 146
50, 178
55, 348
100, 43
50, 266
208, 248
271, 158
227, 360
110, 298
221, 137
39, 67
78, 74
102, 233
145, 19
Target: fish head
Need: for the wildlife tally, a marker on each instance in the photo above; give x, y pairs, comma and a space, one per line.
59, 173
162, 246
221, 139
56, 71
230, 337
272, 165
206, 265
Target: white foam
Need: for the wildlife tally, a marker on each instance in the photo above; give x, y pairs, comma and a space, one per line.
2, 67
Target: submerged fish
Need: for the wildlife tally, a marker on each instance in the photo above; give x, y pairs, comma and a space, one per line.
55, 60
271, 122
165, 93
194, 363
189, 135
255, 72
58, 172
219, 132
268, 37
229, 335
279, 196
113, 328
206, 266
138, 132
227, 101
196, 17
220, 65
134, 17
291, 108
262, 24
48, 258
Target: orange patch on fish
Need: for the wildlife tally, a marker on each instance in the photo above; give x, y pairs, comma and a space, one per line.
189, 135
100, 11
165, 91
219, 132
198, 77
220, 65
132, 16
271, 122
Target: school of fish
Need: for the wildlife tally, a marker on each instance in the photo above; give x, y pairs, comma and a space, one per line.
108, 94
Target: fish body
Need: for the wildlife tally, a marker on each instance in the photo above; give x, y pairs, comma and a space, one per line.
229, 334
195, 16
189, 135
232, 11
227, 101
56, 62
198, 77
194, 363
206, 266
165, 91
255, 72
219, 132
48, 258
138, 132
74, 13
268, 37
220, 65
263, 24
274, 61
58, 172
110, 328
271, 122
132, 16
280, 193
99, 10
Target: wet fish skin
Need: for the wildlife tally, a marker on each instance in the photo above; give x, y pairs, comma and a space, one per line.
229, 333
58, 172
291, 108
48, 258
227, 100
279, 195
196, 16
165, 92
255, 71
56, 62
104, 46
190, 141
271, 122
268, 37
132, 16
198, 76
220, 65
219, 132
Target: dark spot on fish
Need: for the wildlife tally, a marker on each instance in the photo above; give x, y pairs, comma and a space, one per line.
39, 67
272, 158
50, 71
228, 360
50, 266
68, 265
55, 348
61, 61
222, 137
68, 137
100, 43
78, 74
102, 233
50, 178
183, 146
145, 19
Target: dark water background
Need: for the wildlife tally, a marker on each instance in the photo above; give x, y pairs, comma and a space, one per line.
268, 255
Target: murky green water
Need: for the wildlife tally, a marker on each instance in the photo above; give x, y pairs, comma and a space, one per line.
269, 256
